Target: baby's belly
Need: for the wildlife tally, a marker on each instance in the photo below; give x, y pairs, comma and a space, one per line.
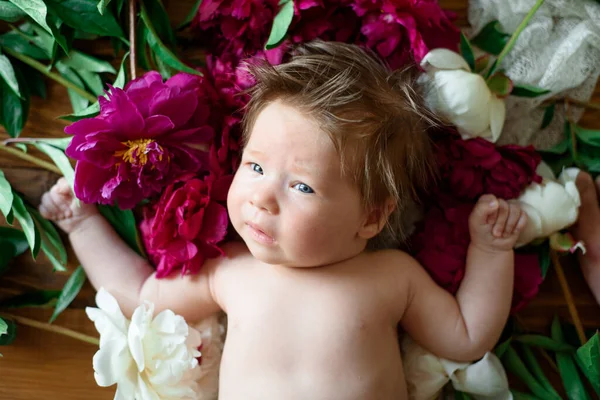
361, 366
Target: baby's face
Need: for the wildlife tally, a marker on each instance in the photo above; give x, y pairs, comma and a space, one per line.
288, 200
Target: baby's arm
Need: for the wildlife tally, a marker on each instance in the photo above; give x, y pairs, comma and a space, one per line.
110, 263
464, 327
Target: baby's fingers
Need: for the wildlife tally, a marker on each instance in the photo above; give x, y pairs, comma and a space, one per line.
514, 216
500, 224
485, 210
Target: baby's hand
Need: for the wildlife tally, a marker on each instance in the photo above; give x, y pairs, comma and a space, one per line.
495, 224
60, 205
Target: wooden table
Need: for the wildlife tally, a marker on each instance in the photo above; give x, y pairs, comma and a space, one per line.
42, 365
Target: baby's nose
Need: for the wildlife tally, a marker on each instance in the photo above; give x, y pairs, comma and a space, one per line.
265, 199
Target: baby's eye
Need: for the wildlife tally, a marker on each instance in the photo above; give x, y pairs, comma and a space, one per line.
256, 168
303, 188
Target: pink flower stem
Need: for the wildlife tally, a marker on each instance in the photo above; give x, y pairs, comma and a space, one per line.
132, 49
54, 76
51, 328
34, 160
511, 42
562, 279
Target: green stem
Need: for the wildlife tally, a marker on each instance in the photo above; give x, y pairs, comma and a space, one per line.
31, 159
511, 42
52, 328
56, 77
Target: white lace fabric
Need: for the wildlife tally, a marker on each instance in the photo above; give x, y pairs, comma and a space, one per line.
559, 50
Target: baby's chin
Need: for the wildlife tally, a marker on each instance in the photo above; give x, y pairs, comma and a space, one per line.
273, 255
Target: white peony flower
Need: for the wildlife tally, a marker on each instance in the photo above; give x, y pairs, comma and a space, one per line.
427, 374
462, 96
148, 358
551, 205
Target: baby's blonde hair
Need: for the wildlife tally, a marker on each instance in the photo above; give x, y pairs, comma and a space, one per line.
374, 117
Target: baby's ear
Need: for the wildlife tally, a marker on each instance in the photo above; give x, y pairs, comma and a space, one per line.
376, 219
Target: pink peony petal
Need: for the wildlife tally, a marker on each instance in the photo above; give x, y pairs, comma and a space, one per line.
157, 125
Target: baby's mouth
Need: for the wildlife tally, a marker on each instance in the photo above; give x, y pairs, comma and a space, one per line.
259, 234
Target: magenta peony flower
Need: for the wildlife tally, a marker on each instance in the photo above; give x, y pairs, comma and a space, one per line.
145, 137
441, 243
471, 168
186, 225
401, 30
237, 27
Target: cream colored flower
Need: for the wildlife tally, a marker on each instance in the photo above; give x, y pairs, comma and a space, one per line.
551, 205
462, 96
427, 374
148, 358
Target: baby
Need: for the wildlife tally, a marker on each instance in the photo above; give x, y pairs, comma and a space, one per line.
335, 149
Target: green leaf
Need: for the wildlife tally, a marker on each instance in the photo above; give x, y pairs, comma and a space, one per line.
60, 159
123, 221
27, 224
83, 62
13, 113
38, 298
59, 143
514, 364
3, 327
543, 251
544, 342
6, 195
51, 242
37, 11
69, 292
44, 41
92, 80
10, 13
160, 21
548, 115
566, 367
161, 50
62, 33
84, 15
102, 4
534, 367
12, 244
500, 84
588, 359
458, 395
528, 91
90, 112
560, 148
141, 48
522, 396
7, 73
502, 347
190, 17
120, 79
481, 63
78, 102
281, 23
588, 136
16, 42
491, 39
34, 80
467, 51
11, 333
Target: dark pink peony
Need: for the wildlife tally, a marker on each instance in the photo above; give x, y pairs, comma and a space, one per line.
236, 27
441, 244
528, 278
187, 224
145, 137
471, 168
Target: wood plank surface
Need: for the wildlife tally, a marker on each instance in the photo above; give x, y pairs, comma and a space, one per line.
43, 365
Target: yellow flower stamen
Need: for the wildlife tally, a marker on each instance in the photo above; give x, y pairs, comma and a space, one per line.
137, 151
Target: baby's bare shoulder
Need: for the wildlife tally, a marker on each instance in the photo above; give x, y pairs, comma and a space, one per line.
391, 260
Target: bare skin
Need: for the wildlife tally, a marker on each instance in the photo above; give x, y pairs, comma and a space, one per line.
311, 313
587, 229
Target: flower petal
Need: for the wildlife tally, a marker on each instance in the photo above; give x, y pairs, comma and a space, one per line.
497, 117
178, 106
157, 125
444, 59
121, 114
